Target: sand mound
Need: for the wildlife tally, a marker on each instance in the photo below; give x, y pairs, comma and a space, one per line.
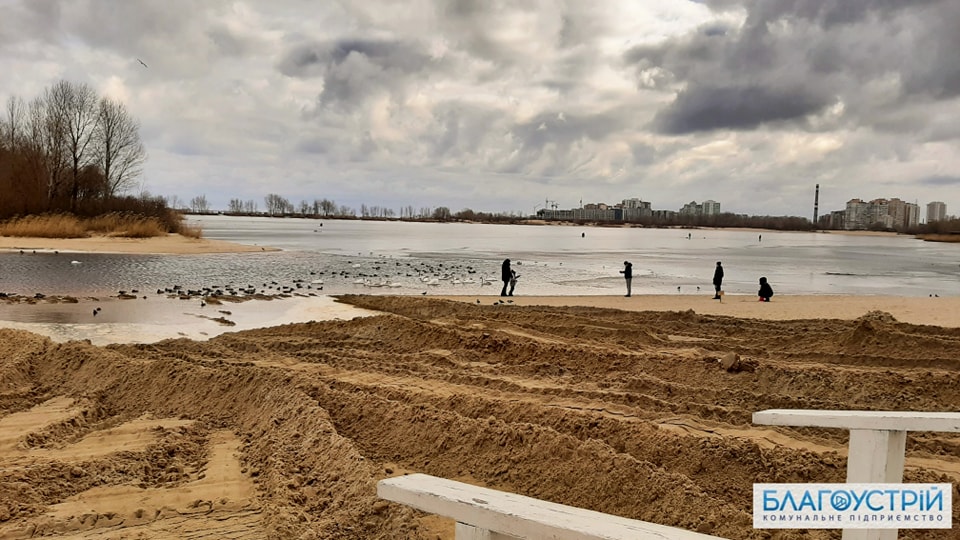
283, 432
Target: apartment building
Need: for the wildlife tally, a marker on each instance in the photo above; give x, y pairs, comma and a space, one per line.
936, 211
887, 213
711, 208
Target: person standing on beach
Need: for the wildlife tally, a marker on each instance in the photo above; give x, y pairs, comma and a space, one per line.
505, 275
513, 281
766, 291
627, 275
717, 280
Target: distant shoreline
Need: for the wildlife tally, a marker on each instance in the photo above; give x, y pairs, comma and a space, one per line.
172, 244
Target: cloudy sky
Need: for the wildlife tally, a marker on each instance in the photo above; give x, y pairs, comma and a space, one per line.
500, 105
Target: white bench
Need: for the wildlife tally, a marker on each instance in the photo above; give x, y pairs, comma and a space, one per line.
488, 514
877, 444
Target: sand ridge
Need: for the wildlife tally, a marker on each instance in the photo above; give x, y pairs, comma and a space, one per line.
626, 412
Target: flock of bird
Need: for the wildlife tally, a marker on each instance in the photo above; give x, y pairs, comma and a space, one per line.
343, 276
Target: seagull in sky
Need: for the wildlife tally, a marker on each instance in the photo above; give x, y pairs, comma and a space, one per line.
141, 63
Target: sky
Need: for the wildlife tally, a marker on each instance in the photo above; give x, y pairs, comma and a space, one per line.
510, 105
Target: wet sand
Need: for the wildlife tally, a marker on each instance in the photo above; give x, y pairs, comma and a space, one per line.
151, 318
282, 432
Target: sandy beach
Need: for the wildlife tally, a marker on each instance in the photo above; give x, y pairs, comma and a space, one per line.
938, 311
172, 244
283, 432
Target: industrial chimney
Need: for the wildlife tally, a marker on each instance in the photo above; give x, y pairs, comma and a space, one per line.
816, 204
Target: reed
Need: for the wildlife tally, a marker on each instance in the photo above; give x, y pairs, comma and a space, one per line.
44, 226
118, 224
190, 231
950, 238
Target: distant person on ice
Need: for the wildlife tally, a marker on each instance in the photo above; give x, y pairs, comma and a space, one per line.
627, 275
505, 276
717, 280
513, 281
766, 291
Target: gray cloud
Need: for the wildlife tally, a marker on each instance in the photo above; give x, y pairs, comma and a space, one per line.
707, 108
938, 181
496, 104
353, 69
790, 59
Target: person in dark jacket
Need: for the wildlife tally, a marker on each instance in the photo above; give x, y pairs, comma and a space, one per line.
717, 280
505, 276
766, 291
627, 275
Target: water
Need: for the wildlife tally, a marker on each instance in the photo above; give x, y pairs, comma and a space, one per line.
434, 258
430, 258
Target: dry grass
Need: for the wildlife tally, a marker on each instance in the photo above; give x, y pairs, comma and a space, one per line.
44, 226
190, 231
121, 224
950, 238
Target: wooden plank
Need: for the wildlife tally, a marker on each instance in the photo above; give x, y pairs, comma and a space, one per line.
469, 532
519, 516
883, 420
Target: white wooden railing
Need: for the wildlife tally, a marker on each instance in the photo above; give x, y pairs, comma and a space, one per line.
488, 514
875, 455
877, 444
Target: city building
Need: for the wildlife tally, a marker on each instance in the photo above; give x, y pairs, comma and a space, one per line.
856, 215
833, 220
880, 213
936, 211
711, 208
635, 210
692, 208
630, 210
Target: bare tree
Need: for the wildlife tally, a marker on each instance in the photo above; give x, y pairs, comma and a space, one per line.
277, 205
235, 206
12, 126
199, 204
250, 206
328, 207
46, 139
175, 202
120, 152
77, 104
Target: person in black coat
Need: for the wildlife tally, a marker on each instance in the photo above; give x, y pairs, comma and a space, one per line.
717, 280
766, 291
627, 275
505, 276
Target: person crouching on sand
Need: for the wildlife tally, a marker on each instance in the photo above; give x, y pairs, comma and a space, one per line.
627, 275
766, 291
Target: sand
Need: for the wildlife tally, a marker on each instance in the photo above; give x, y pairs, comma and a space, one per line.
283, 432
170, 244
939, 311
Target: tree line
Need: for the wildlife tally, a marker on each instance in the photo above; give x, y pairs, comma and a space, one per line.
70, 150
275, 205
